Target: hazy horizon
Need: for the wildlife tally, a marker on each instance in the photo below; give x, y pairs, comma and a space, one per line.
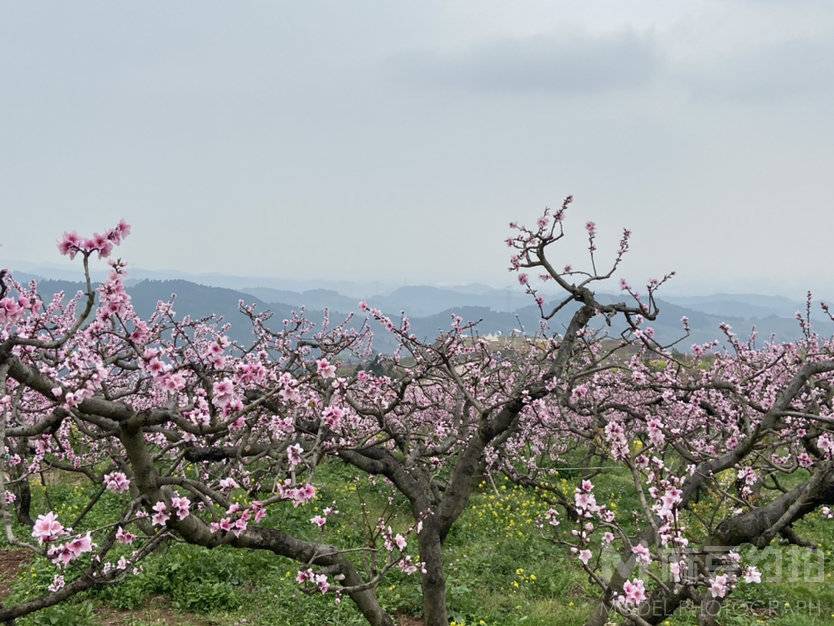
351, 287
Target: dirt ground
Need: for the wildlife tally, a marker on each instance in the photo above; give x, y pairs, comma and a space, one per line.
10, 563
159, 615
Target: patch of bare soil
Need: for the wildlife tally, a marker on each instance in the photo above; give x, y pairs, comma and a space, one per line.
160, 613
408, 620
11, 561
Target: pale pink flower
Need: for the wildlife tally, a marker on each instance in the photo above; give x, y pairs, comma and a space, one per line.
325, 369
125, 537
227, 484
642, 553
719, 586
117, 482
332, 416
259, 509
181, 506
161, 516
47, 528
752, 575
224, 393
635, 592
826, 444
294, 454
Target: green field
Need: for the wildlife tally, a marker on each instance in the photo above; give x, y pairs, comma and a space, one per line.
501, 569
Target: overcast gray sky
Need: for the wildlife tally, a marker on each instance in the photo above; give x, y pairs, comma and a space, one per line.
395, 140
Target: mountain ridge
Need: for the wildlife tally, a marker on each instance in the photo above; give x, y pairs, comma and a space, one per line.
433, 315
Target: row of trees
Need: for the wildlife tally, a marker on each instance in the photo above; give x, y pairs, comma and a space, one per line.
204, 437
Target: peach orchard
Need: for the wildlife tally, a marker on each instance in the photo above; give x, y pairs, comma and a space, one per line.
202, 437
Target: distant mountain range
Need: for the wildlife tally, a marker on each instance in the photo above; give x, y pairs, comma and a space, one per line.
746, 306
500, 311
417, 300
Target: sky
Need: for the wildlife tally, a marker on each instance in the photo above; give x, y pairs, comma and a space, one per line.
394, 141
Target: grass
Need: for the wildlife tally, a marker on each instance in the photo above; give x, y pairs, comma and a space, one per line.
501, 570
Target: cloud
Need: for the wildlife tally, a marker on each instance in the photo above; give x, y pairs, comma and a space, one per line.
569, 63
768, 73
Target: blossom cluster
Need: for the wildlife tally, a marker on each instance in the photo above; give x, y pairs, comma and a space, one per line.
72, 243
